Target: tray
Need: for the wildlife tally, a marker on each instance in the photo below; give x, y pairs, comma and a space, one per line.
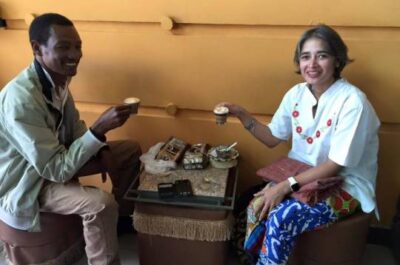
225, 201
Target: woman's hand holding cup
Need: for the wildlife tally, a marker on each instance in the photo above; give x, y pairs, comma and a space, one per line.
221, 114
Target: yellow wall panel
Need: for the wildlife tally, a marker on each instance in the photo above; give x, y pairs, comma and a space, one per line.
388, 181
202, 70
374, 72
15, 53
255, 12
198, 67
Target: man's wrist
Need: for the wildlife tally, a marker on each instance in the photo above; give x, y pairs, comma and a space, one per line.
100, 137
102, 150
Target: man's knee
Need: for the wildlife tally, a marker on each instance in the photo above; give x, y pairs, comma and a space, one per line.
103, 201
134, 146
109, 202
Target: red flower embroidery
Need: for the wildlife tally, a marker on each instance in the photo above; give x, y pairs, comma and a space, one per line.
318, 134
299, 129
310, 140
338, 203
329, 123
295, 113
346, 196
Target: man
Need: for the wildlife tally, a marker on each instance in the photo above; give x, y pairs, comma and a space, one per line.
45, 147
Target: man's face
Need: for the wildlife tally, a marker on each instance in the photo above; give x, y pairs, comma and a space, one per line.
61, 54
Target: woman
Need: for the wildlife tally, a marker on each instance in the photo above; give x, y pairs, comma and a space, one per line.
333, 128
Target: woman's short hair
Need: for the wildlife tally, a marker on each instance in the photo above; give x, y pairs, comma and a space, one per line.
39, 29
338, 48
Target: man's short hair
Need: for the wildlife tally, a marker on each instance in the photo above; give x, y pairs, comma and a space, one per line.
39, 29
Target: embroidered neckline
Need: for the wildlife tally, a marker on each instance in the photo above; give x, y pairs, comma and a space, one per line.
299, 129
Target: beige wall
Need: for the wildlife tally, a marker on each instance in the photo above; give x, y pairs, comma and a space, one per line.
239, 51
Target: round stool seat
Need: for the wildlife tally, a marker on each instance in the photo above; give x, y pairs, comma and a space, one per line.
60, 241
340, 243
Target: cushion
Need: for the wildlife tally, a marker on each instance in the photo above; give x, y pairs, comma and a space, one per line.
310, 193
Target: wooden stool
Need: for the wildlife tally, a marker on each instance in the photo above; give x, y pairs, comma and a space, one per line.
341, 243
60, 241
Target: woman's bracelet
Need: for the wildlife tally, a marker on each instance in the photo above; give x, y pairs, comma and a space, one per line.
250, 126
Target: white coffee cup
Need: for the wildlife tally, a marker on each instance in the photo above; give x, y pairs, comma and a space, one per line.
221, 114
133, 103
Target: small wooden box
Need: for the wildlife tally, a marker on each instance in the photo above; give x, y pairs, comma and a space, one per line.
173, 150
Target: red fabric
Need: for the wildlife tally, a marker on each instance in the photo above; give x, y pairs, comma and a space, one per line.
310, 193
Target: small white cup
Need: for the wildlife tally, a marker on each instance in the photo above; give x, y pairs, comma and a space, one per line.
221, 114
133, 103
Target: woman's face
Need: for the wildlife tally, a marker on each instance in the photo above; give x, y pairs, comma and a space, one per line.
317, 65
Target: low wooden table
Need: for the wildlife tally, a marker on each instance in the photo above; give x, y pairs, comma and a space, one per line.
185, 230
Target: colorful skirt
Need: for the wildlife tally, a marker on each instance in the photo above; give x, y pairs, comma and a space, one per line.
271, 240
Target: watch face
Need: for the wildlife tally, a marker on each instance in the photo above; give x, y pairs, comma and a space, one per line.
295, 187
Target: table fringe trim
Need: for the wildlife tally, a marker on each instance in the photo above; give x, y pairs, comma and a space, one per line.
183, 228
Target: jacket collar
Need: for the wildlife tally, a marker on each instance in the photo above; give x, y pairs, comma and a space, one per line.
46, 84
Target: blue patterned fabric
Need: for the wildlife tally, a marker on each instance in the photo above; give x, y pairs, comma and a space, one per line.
273, 239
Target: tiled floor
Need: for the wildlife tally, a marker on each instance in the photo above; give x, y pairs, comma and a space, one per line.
374, 254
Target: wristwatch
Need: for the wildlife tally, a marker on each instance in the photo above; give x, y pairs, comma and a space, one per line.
294, 185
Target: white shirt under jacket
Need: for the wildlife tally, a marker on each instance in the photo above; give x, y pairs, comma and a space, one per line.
344, 129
